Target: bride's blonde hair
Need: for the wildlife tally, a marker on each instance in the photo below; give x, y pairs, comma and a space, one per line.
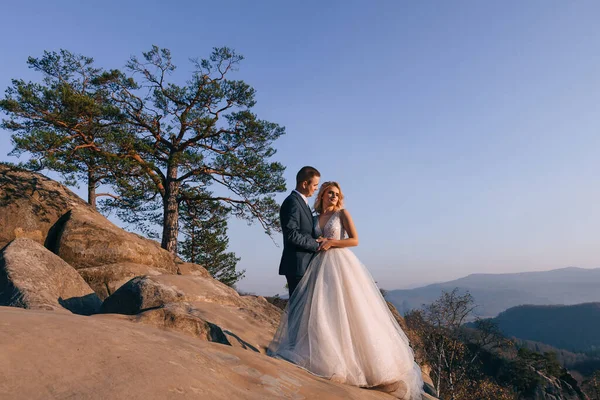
322, 190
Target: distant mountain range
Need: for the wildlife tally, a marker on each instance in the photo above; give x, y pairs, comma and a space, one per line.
494, 293
575, 328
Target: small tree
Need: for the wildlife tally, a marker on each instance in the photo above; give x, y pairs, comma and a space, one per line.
592, 386
205, 241
546, 362
483, 388
447, 346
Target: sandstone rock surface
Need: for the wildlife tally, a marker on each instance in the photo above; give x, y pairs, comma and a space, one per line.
197, 306
87, 239
36, 207
30, 204
49, 355
184, 268
148, 292
106, 279
33, 277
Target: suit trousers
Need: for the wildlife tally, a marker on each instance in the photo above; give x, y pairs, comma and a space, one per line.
292, 281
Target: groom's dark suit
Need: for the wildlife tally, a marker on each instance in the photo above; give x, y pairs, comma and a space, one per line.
299, 244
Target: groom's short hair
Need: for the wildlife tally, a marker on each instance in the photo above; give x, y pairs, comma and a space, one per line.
306, 174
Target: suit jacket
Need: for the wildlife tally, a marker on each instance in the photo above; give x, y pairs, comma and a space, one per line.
299, 243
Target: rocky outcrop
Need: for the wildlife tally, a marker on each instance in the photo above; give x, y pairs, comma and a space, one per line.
106, 279
33, 277
49, 356
250, 326
184, 268
180, 317
143, 293
87, 239
553, 388
198, 306
33, 206
30, 204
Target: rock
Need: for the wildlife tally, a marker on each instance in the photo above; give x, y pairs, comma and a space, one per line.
33, 277
30, 204
147, 292
247, 321
34, 206
106, 279
278, 302
180, 317
87, 239
428, 385
50, 356
192, 269
553, 388
397, 316
250, 326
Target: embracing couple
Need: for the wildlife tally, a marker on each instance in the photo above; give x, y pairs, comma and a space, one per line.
337, 324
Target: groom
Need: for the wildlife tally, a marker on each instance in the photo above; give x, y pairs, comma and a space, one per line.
299, 243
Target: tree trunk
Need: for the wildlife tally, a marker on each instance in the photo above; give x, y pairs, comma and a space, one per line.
439, 374
91, 189
451, 386
193, 246
171, 212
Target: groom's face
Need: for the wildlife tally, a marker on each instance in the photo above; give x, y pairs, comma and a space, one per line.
312, 186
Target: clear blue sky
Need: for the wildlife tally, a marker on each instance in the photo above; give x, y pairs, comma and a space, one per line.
465, 134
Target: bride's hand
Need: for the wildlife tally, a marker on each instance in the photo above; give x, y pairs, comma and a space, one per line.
326, 244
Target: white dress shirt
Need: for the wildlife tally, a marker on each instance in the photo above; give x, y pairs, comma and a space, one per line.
303, 196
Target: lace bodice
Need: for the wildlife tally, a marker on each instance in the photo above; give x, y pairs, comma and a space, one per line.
333, 227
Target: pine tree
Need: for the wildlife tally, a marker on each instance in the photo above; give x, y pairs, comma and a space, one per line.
205, 241
157, 144
65, 122
192, 139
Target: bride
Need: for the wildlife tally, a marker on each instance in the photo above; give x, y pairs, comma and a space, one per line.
337, 324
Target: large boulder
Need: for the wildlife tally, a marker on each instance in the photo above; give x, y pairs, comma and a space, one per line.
106, 279
198, 306
30, 204
50, 356
87, 239
33, 277
147, 292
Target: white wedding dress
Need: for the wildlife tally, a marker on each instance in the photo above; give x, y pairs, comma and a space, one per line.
337, 325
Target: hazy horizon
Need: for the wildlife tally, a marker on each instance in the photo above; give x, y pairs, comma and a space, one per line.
464, 135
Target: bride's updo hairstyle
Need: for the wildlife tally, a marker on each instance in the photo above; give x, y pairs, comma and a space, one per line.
325, 186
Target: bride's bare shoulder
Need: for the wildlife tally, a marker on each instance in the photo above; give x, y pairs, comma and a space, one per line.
344, 213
